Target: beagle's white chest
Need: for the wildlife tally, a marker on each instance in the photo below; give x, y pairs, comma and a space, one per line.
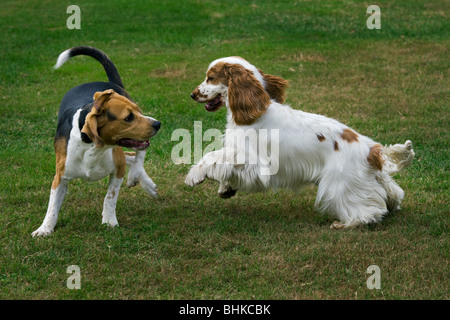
84, 160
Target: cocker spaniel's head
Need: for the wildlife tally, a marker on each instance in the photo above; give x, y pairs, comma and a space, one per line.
237, 84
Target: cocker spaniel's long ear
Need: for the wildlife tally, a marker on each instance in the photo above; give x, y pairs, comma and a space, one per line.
247, 97
275, 86
90, 127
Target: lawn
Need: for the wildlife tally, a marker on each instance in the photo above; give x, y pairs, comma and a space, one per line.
391, 84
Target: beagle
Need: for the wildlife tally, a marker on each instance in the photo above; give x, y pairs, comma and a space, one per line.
95, 121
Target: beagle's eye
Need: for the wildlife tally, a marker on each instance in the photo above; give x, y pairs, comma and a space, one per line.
129, 118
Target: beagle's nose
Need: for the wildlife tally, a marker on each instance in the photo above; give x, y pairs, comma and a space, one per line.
193, 95
156, 125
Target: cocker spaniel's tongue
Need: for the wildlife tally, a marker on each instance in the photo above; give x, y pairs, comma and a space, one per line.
134, 144
214, 105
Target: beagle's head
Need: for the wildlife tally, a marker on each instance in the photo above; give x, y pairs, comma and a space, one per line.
115, 120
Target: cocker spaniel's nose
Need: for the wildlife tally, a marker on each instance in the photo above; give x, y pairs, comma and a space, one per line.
156, 125
193, 95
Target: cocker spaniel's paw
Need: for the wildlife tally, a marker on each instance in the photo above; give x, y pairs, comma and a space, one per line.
227, 194
226, 191
195, 176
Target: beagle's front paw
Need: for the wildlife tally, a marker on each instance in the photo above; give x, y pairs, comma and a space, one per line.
148, 185
110, 221
137, 175
42, 231
195, 176
133, 176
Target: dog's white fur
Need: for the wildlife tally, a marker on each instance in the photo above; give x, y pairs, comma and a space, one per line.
349, 187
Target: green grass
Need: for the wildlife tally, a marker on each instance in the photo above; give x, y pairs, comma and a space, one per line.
391, 84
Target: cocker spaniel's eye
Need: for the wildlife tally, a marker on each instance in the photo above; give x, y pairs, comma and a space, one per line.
210, 79
129, 118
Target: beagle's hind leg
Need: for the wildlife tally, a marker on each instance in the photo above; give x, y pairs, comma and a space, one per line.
57, 195
58, 191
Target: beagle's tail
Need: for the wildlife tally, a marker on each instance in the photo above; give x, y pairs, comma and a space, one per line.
100, 56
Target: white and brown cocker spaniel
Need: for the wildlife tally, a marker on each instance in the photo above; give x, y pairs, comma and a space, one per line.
269, 145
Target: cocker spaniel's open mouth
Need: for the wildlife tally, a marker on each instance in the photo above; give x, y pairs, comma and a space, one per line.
214, 104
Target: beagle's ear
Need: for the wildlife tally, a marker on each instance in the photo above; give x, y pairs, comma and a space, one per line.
275, 86
247, 97
101, 97
90, 127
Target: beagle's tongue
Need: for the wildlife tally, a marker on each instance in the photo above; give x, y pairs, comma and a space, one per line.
214, 104
133, 144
